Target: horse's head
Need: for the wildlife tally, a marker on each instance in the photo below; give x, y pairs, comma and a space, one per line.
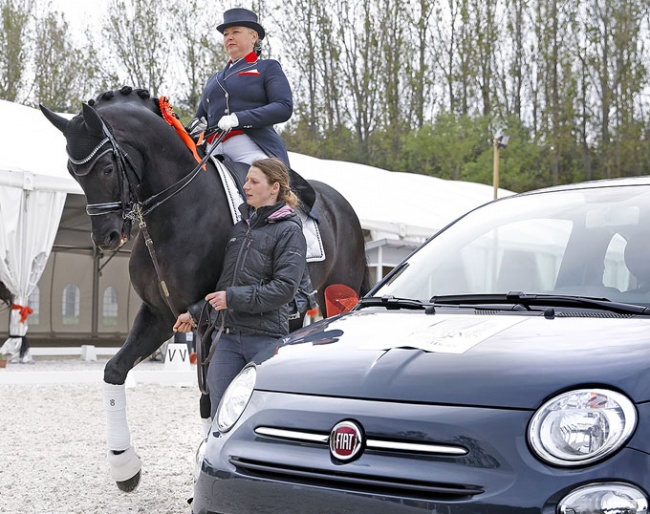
102, 168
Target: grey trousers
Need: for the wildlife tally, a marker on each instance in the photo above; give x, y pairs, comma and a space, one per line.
234, 351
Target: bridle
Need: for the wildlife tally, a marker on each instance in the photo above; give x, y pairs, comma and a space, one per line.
129, 205
127, 197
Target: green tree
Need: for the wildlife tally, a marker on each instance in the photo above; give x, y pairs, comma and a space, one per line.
307, 21
361, 63
616, 74
200, 50
137, 33
14, 44
444, 148
556, 36
59, 66
421, 73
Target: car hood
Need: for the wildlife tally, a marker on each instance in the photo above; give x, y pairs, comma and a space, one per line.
514, 361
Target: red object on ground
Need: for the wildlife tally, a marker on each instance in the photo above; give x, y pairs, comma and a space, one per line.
339, 298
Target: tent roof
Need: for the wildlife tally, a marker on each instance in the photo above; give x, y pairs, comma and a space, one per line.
397, 204
33, 151
391, 204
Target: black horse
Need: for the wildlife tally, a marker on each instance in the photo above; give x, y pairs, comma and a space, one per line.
134, 167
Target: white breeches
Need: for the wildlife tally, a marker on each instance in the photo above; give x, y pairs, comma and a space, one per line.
240, 148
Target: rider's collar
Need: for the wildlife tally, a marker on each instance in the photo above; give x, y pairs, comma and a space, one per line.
250, 58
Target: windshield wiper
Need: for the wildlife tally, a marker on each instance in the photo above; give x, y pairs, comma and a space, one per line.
518, 298
390, 302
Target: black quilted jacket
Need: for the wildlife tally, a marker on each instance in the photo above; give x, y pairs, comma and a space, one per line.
264, 262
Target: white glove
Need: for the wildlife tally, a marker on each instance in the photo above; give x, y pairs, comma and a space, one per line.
228, 122
196, 126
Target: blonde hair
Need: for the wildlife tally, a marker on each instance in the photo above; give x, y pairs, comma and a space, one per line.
277, 171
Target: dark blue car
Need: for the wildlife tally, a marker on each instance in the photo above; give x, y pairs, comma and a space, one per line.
502, 368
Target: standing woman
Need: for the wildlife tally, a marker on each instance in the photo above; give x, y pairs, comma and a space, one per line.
248, 96
263, 265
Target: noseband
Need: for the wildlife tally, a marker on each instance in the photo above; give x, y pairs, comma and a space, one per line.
127, 196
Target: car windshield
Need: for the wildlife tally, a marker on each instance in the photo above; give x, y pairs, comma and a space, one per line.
592, 242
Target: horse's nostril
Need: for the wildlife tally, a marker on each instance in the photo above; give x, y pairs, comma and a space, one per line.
110, 241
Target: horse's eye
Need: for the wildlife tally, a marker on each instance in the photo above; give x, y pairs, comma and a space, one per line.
107, 170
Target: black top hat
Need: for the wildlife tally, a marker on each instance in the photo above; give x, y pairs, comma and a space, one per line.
240, 17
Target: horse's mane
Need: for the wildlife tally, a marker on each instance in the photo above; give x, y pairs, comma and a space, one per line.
127, 95
81, 141
159, 106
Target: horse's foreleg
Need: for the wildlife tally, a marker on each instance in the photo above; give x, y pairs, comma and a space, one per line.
124, 463
205, 408
148, 333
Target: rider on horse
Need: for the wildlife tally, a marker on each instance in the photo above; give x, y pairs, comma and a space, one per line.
244, 100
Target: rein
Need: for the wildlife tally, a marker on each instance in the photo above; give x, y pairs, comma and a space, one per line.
129, 205
145, 207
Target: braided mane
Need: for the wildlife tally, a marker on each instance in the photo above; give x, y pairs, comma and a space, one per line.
160, 106
126, 92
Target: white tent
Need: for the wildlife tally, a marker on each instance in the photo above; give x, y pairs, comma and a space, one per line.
395, 204
397, 209
33, 188
400, 210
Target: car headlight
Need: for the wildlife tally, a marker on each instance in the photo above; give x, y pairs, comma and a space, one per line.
605, 498
580, 427
236, 398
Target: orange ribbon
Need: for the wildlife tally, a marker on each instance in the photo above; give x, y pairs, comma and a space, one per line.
170, 117
24, 311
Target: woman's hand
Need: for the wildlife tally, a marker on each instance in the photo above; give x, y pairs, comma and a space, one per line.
184, 323
228, 122
217, 300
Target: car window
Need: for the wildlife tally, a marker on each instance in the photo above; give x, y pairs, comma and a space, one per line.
616, 273
564, 242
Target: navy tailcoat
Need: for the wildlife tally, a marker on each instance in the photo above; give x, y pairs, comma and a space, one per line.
258, 92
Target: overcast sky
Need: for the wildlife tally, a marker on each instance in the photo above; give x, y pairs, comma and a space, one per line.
80, 12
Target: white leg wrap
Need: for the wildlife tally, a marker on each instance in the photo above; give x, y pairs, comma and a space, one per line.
124, 466
206, 423
118, 436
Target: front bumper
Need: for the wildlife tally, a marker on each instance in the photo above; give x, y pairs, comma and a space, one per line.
245, 472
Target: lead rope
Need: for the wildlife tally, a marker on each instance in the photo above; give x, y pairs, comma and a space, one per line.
202, 364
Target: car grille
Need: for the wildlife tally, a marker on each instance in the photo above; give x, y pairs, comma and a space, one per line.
352, 481
368, 484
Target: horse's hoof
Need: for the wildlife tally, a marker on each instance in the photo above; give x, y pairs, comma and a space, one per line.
129, 485
125, 468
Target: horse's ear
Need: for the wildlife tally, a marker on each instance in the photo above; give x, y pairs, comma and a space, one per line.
93, 121
58, 121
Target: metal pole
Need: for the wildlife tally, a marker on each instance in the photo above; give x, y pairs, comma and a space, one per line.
495, 167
